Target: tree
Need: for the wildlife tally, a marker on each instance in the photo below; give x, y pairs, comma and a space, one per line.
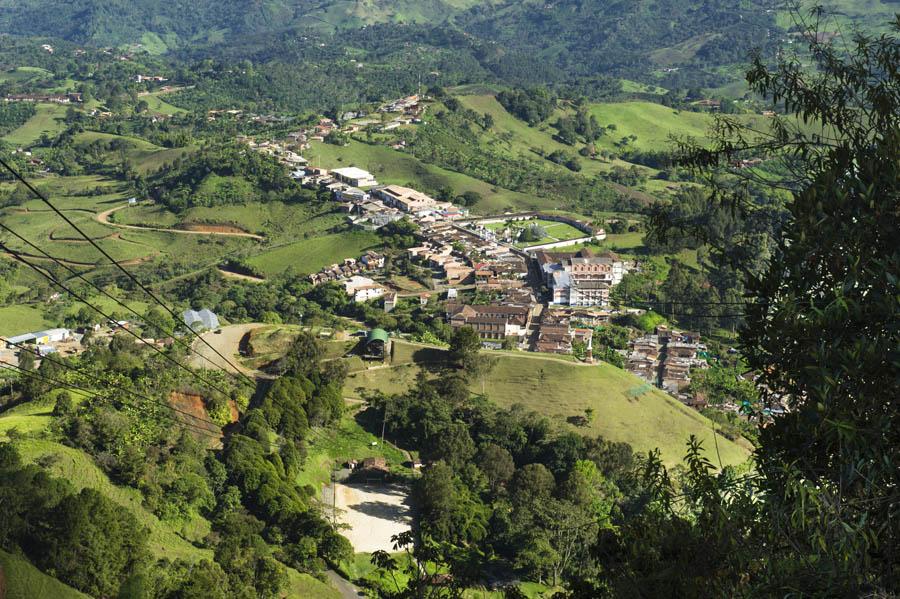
464, 347
821, 318
92, 543
448, 511
469, 198
497, 464
26, 359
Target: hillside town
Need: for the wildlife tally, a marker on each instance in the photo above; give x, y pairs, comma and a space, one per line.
544, 297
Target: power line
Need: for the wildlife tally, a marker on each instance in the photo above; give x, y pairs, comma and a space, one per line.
62, 286
88, 375
96, 395
100, 289
134, 279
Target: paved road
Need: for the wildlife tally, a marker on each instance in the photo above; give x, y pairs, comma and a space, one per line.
347, 590
103, 217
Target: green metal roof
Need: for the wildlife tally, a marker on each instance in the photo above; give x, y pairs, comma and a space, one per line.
377, 335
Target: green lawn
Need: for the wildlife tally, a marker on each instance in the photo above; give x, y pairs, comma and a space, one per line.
145, 156
20, 74
304, 586
310, 255
626, 408
158, 105
277, 221
48, 119
24, 581
556, 231
54, 236
21, 319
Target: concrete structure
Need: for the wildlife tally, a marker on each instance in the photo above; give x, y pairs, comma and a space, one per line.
580, 279
39, 337
377, 345
362, 289
356, 177
493, 323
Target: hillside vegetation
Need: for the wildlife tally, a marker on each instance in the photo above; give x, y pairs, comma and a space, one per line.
625, 407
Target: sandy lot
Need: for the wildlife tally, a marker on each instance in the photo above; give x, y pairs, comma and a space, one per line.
226, 343
374, 513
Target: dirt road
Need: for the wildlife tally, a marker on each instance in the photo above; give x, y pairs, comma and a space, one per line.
103, 217
228, 344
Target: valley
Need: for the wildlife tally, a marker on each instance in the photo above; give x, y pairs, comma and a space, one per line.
448, 299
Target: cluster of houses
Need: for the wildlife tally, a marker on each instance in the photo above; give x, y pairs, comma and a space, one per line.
666, 357
69, 98
348, 268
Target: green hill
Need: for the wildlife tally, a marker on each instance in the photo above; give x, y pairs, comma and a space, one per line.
20, 580
625, 407
27, 426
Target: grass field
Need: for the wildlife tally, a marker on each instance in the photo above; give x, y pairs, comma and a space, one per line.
626, 408
556, 231
48, 119
277, 221
21, 319
20, 74
310, 255
23, 581
35, 222
304, 586
145, 156
158, 105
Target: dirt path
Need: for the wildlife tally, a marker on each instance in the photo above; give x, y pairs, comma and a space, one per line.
239, 277
103, 218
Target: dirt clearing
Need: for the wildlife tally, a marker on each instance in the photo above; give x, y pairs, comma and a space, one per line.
373, 512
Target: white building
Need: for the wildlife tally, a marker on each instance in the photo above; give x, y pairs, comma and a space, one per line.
580, 279
363, 289
356, 177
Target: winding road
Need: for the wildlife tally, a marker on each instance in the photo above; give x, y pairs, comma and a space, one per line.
103, 218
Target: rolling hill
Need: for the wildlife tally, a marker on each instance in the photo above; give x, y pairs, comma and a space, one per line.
626, 408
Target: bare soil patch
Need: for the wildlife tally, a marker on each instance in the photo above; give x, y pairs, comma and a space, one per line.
207, 228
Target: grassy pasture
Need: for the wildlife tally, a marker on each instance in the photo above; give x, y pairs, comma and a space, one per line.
21, 319
275, 220
145, 156
48, 119
310, 255
626, 408
22, 580
157, 105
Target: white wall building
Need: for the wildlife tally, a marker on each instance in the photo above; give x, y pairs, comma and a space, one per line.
356, 177
362, 289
